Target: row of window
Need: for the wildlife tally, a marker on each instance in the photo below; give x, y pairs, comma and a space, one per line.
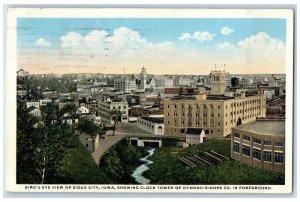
197, 123
258, 154
258, 141
197, 106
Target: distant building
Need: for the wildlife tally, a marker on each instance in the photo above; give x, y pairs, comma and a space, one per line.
260, 144
44, 102
22, 73
164, 82
51, 94
195, 136
154, 126
33, 103
70, 119
125, 85
143, 78
21, 93
218, 83
181, 81
106, 108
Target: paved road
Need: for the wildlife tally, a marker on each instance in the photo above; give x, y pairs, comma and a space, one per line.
123, 130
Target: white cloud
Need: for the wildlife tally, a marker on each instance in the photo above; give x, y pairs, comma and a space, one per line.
185, 36
198, 36
263, 42
226, 30
122, 41
42, 42
72, 40
225, 46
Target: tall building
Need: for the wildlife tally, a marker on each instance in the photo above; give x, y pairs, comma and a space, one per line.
106, 108
260, 144
143, 77
218, 82
216, 114
125, 85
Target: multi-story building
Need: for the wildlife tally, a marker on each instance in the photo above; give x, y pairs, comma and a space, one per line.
218, 82
164, 82
260, 144
216, 114
106, 108
181, 81
125, 85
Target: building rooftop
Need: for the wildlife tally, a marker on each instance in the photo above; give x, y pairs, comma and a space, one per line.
265, 127
193, 131
154, 120
209, 97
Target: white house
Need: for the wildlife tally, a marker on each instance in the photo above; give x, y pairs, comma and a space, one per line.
34, 111
32, 103
44, 102
82, 110
152, 125
195, 136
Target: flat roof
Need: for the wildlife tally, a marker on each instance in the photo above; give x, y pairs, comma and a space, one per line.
267, 127
154, 120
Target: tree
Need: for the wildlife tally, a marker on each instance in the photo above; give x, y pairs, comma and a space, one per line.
40, 149
116, 116
50, 112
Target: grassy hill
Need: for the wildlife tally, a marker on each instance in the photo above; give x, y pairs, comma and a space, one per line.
167, 169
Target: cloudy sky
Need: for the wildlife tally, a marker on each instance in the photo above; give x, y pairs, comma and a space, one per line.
163, 46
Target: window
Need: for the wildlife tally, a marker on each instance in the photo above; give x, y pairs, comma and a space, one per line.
175, 106
256, 154
182, 130
278, 144
267, 142
257, 141
236, 147
182, 106
168, 113
246, 150
278, 157
168, 106
246, 137
86, 145
237, 135
124, 107
267, 156
219, 107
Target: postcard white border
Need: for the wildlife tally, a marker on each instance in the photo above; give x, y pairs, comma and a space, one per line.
11, 68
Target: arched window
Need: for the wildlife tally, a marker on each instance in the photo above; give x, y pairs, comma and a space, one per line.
159, 129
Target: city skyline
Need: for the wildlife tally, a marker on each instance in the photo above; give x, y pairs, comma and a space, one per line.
163, 46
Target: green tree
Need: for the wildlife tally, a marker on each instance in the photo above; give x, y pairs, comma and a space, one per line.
116, 116
50, 112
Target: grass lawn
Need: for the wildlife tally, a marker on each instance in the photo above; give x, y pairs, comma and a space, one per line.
167, 169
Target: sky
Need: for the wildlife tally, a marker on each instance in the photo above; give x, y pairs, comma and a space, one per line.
163, 46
